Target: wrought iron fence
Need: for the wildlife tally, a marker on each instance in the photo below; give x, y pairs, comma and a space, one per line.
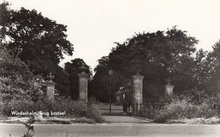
115, 109
147, 110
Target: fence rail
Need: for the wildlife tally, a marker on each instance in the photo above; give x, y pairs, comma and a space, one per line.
115, 109
147, 110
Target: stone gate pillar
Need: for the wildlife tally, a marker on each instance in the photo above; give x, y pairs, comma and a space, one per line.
168, 88
50, 88
83, 86
138, 91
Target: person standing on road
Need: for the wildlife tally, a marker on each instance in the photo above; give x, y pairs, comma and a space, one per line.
124, 104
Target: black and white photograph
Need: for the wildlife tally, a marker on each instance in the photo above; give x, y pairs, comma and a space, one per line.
109, 68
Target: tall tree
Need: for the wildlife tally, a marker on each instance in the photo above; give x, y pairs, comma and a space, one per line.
100, 85
157, 56
38, 41
213, 69
37, 37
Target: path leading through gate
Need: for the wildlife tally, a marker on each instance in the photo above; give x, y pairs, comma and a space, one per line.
117, 115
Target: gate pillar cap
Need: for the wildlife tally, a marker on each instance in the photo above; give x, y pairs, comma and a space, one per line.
138, 76
83, 74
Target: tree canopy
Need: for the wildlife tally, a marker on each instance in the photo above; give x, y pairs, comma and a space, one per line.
38, 41
36, 37
157, 56
212, 71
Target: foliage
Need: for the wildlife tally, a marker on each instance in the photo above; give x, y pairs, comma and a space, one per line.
4, 15
100, 85
71, 107
94, 113
204, 67
185, 107
16, 80
74, 68
157, 56
37, 36
38, 41
213, 60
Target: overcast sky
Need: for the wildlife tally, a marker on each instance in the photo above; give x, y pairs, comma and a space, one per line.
94, 25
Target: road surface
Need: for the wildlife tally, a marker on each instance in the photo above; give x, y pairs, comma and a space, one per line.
113, 129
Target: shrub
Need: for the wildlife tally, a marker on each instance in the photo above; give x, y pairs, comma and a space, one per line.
71, 107
16, 80
184, 108
93, 112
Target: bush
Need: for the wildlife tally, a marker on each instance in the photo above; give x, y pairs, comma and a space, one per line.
17, 81
71, 107
93, 112
184, 108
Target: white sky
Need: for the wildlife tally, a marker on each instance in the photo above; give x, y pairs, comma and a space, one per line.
94, 25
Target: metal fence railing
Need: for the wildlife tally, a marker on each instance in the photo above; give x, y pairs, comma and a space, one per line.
147, 110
